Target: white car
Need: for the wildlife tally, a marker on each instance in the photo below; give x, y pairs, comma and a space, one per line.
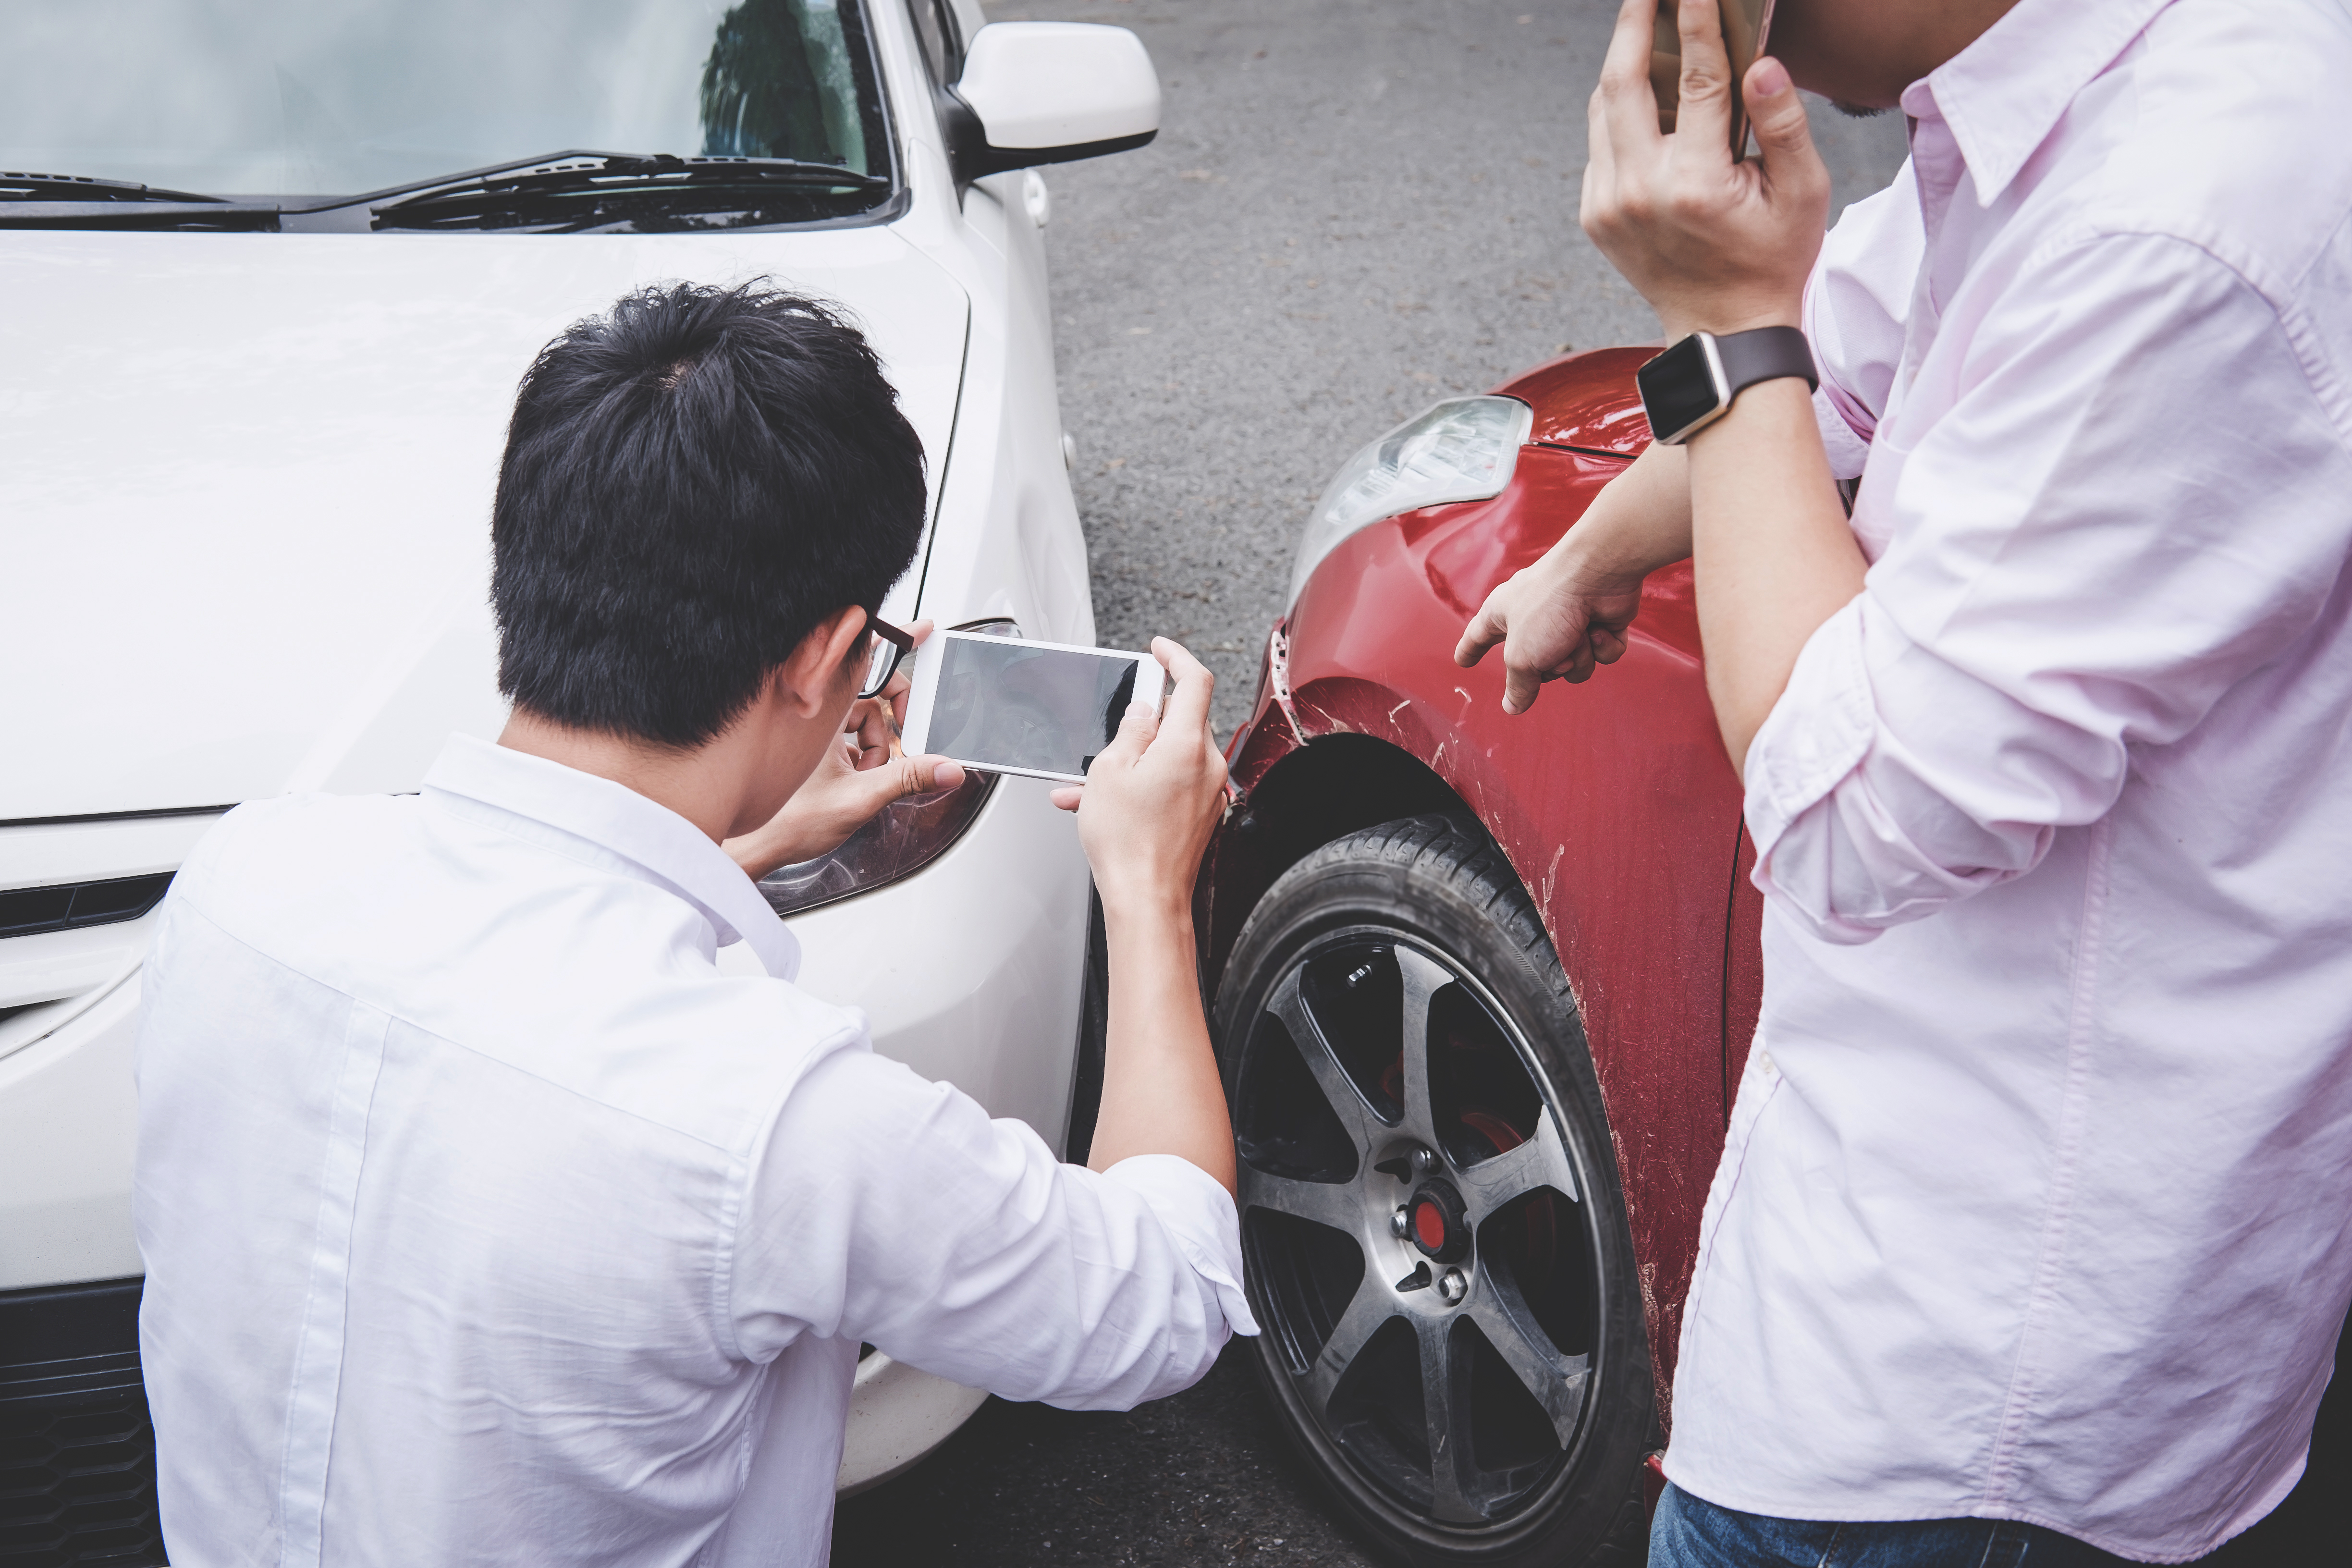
248, 434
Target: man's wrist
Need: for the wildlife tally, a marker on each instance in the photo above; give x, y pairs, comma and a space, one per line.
1146, 909
755, 866
1617, 541
1612, 551
1763, 394
761, 851
1726, 317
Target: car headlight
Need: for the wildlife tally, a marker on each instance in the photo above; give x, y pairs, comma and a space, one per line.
1461, 450
904, 836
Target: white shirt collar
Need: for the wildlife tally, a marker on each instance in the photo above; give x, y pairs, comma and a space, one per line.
2006, 92
539, 799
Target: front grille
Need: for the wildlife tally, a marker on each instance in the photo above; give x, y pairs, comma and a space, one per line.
23, 910
78, 1484
77, 1452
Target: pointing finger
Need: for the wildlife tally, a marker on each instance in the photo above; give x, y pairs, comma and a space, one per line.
1487, 629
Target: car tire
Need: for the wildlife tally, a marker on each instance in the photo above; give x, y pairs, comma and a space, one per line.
1438, 1256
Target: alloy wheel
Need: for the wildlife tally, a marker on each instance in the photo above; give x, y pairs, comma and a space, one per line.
1422, 1251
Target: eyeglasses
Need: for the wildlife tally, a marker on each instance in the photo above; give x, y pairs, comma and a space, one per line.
889, 648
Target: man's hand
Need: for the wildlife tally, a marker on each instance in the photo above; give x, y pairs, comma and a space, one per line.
1714, 245
863, 770
1566, 614
1152, 797
1557, 620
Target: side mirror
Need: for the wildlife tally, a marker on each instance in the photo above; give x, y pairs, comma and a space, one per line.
1048, 93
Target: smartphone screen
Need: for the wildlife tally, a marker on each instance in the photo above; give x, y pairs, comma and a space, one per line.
1745, 23
1006, 705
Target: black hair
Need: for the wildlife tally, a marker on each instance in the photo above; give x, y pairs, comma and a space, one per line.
692, 482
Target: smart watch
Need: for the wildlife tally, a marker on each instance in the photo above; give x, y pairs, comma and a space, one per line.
1691, 385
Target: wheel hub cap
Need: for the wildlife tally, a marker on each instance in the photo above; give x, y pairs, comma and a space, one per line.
1439, 1226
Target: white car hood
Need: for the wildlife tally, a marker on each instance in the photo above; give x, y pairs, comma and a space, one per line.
246, 480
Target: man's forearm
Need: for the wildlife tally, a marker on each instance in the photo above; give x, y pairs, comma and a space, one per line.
1640, 522
1161, 1092
1773, 555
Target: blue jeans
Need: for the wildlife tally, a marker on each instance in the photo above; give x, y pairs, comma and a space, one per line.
1691, 1532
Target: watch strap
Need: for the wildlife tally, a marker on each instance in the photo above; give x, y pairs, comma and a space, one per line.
1763, 353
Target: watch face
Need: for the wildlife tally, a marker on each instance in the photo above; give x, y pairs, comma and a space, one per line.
1677, 389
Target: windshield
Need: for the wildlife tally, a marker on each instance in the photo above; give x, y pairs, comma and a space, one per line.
296, 98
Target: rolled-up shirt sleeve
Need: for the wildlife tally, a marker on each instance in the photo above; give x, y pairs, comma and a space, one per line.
2137, 497
894, 1210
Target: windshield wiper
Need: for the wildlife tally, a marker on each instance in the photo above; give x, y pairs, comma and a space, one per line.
561, 191
80, 201
591, 189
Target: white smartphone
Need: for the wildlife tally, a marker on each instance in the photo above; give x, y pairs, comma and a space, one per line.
1007, 705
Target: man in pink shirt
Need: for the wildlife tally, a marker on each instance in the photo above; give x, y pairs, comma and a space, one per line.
2028, 1245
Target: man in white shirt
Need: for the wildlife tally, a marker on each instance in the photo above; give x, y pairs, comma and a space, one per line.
2028, 1244
485, 1220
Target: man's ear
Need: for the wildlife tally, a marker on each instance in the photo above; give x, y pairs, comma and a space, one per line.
806, 678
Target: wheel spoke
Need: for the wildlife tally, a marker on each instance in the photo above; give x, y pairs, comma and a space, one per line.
1423, 979
1540, 1161
1347, 1101
1371, 1306
1339, 1204
1558, 1382
1446, 1404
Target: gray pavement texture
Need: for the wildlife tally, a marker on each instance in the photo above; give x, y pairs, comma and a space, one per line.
1353, 208
1202, 1478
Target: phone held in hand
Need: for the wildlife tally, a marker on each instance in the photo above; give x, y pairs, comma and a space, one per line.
1746, 25
1006, 705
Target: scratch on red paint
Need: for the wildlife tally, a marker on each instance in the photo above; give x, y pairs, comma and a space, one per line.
1399, 709
1464, 694
1645, 1274
1331, 725
1551, 871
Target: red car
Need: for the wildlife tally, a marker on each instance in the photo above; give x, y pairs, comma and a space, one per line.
1483, 986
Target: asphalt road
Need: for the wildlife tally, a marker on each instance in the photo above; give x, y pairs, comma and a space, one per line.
1352, 210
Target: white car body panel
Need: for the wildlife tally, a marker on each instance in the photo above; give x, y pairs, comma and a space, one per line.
281, 463
896, 1414
245, 485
